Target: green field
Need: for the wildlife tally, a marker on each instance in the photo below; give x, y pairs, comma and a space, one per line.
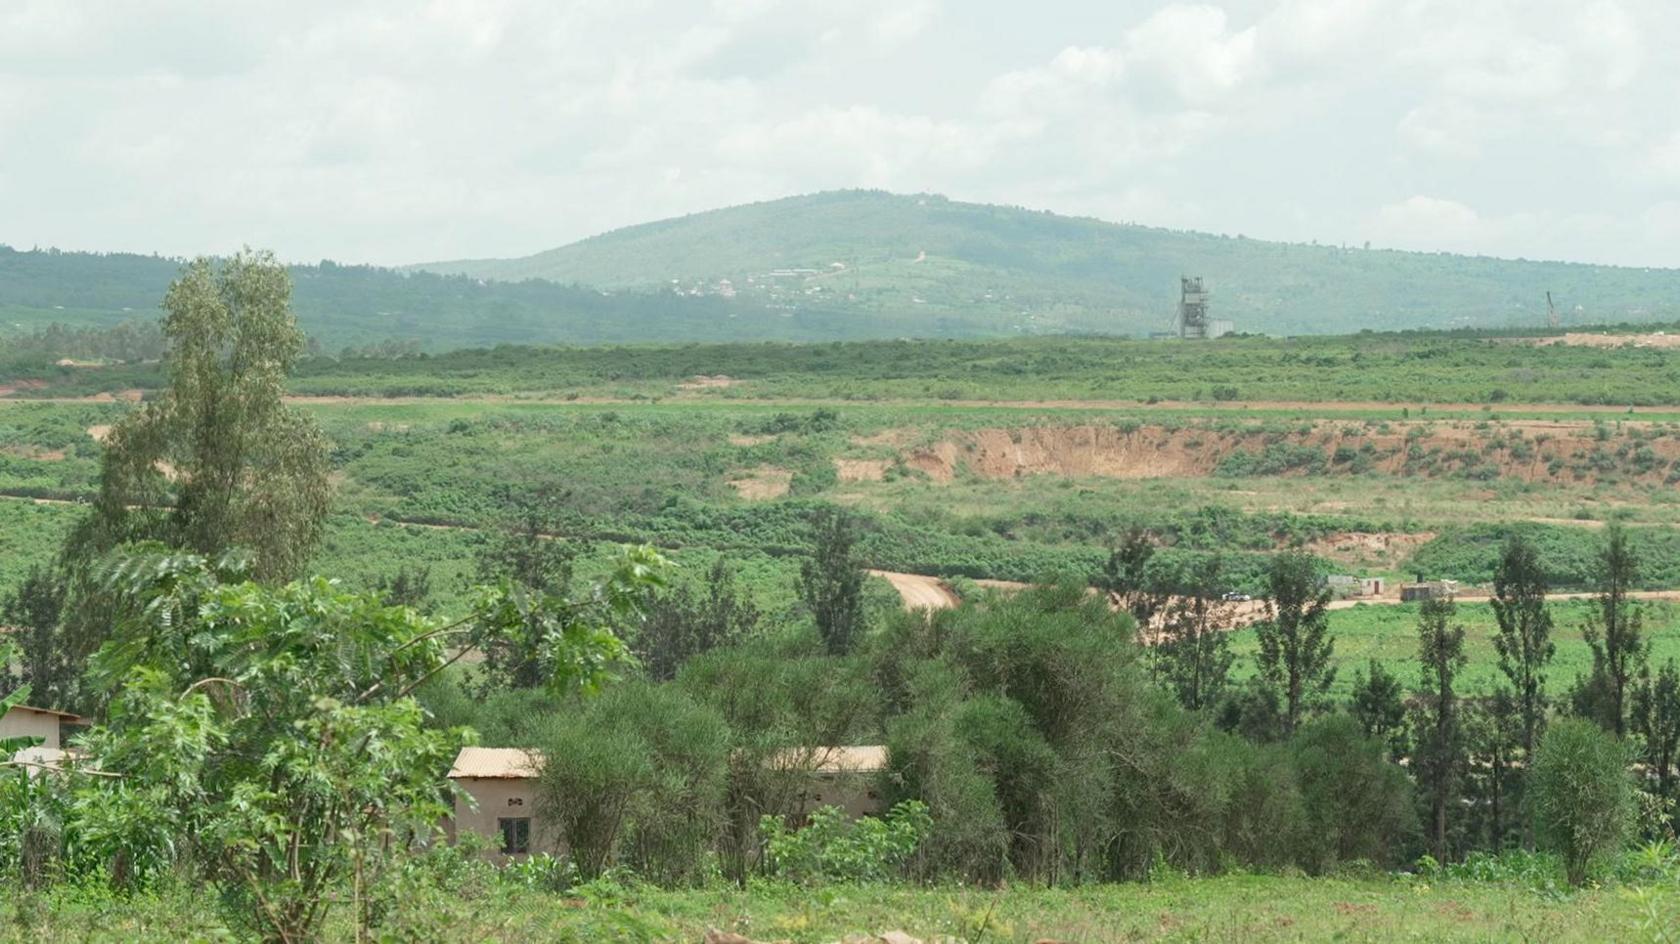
1231, 908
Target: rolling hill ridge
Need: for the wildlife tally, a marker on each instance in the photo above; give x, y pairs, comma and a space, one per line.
870, 251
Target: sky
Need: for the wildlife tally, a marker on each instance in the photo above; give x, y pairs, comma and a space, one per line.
394, 132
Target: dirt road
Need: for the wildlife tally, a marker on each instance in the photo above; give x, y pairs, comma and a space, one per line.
918, 591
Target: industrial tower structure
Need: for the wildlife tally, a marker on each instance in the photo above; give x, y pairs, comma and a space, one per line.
1192, 308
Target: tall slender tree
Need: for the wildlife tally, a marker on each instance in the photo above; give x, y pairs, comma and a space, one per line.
1438, 755
1129, 581
1656, 718
218, 460
34, 610
1524, 639
1295, 640
1193, 646
831, 581
1614, 633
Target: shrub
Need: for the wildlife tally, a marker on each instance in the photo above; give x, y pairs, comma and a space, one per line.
1582, 795
832, 848
1359, 805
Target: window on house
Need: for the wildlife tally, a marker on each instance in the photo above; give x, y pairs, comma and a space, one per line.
516, 834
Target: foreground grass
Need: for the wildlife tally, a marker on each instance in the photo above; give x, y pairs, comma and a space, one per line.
1232, 908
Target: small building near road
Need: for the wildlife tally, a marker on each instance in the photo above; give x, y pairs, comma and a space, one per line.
498, 800
1428, 590
1345, 586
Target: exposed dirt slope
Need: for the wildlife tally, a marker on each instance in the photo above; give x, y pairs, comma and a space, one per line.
1529, 451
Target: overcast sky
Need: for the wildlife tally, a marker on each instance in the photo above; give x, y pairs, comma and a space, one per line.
388, 132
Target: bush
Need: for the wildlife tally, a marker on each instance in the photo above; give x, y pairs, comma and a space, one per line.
637, 776
1359, 805
1582, 795
835, 849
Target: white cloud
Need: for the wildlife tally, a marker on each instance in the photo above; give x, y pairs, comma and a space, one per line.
388, 131
1193, 50
1423, 222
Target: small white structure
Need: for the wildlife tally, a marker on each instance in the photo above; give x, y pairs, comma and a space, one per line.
43, 723
500, 787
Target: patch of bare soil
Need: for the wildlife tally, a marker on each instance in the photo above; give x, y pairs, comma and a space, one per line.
763, 483
919, 592
887, 437
705, 382
7, 390
1584, 339
1354, 547
861, 470
99, 432
35, 453
1531, 451
741, 439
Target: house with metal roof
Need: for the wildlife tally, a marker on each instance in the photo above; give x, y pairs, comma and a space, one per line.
496, 792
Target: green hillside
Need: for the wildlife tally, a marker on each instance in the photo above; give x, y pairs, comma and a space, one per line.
341, 305
1037, 271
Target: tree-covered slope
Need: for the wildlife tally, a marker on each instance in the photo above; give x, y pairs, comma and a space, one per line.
339, 305
873, 251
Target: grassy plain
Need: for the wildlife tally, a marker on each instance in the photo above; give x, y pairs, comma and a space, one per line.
1229, 908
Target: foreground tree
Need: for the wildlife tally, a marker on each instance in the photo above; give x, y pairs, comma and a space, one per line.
1378, 703
218, 460
1438, 754
1192, 647
1656, 719
1524, 639
269, 736
831, 581
1614, 633
1582, 795
1295, 640
685, 623
1493, 742
43, 662
1128, 581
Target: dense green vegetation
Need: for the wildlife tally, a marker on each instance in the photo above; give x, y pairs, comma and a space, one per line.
1048, 272
1368, 375
1477, 906
364, 306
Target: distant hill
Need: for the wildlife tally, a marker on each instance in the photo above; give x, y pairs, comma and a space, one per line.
340, 305
1032, 272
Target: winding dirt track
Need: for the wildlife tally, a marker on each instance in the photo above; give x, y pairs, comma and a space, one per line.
918, 591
